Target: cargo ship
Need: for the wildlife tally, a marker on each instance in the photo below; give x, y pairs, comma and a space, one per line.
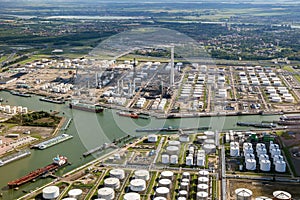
288, 122
53, 141
290, 118
132, 115
256, 124
51, 100
58, 162
13, 157
86, 107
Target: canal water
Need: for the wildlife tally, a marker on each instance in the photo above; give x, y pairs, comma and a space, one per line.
91, 130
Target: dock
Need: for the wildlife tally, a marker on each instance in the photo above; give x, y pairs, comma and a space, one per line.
100, 148
171, 129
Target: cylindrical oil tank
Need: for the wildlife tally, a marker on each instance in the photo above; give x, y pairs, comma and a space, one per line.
183, 193
275, 152
165, 159
132, 196
106, 193
248, 150
202, 187
69, 198
184, 185
162, 192
174, 143
137, 185
75, 193
160, 198
167, 175
281, 195
263, 157
174, 159
201, 138
250, 164
165, 183
185, 180
260, 145
273, 146
201, 161
233, 144
234, 151
262, 198
209, 148
117, 173
249, 156
243, 194
184, 138
112, 183
186, 175
203, 173
277, 158
265, 165
202, 196
280, 166
209, 134
209, 141
189, 161
142, 174
247, 145
261, 151
172, 150
51, 192
203, 179
181, 198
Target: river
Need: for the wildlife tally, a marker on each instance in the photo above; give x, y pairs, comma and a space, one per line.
91, 130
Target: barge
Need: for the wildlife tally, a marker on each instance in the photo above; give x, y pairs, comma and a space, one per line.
86, 107
14, 157
53, 141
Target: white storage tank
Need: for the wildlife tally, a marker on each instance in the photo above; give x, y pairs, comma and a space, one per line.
163, 192
165, 159
69, 198
183, 193
142, 174
263, 157
165, 183
209, 134
202, 187
277, 158
209, 141
280, 166
209, 148
203, 173
181, 198
262, 198
203, 180
51, 192
152, 138
249, 156
174, 159
202, 196
185, 180
201, 161
189, 161
172, 150
106, 193
260, 151
184, 138
260, 145
112, 183
282, 195
184, 185
265, 165
275, 152
250, 164
243, 194
159, 198
174, 143
137, 185
75, 193
167, 174
201, 138
117, 173
234, 151
186, 175
132, 196
248, 150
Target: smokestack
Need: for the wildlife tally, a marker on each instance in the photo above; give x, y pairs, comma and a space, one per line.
172, 67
